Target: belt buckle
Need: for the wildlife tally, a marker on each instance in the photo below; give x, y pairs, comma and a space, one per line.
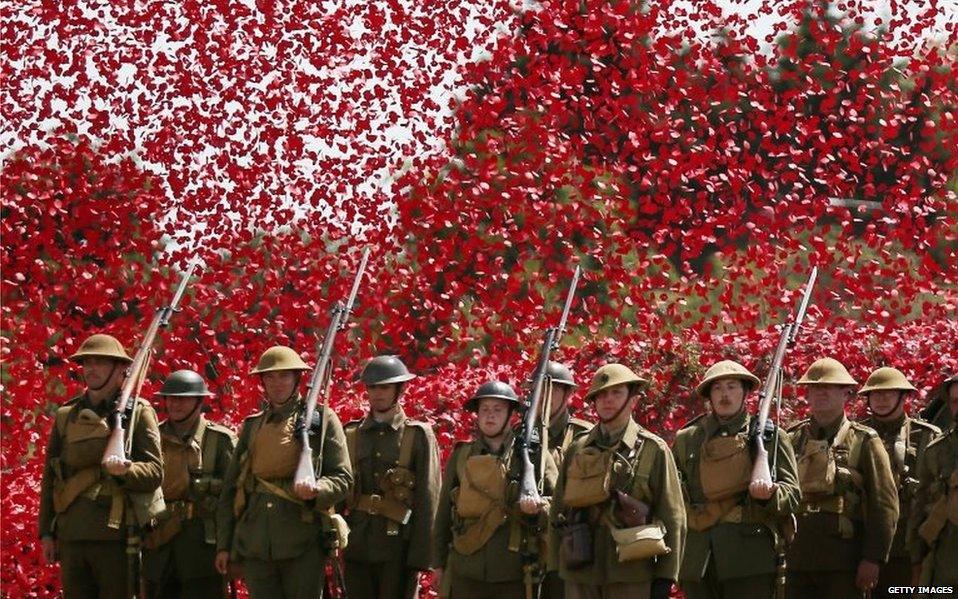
375, 500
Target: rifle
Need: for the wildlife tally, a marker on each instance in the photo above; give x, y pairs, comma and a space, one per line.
529, 486
319, 385
119, 444
772, 388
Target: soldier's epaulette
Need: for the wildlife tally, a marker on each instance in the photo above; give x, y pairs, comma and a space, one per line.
693, 421
926, 425
797, 425
647, 434
936, 441
253, 416
581, 423
868, 431
220, 428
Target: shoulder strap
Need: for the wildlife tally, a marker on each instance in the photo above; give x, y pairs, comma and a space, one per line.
210, 442
643, 469
406, 444
62, 415
352, 446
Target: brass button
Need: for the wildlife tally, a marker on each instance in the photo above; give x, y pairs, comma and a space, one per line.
378, 454
269, 504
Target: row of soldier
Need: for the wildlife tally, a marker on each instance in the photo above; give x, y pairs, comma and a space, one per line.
855, 507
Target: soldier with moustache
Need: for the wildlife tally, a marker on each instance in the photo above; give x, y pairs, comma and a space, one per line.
729, 515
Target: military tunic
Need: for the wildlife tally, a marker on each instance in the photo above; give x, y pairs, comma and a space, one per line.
662, 491
495, 570
384, 556
280, 540
180, 552
932, 535
712, 565
93, 553
832, 536
905, 440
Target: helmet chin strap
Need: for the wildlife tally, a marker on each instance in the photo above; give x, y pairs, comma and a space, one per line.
196, 406
617, 412
502, 428
394, 401
901, 398
107, 380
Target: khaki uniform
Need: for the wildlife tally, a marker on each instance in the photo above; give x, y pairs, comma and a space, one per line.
281, 541
933, 523
180, 551
562, 430
481, 537
725, 523
89, 511
392, 506
905, 440
647, 473
849, 507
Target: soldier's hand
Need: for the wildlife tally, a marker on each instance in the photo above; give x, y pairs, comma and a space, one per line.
222, 562
306, 491
761, 489
531, 505
867, 576
117, 466
49, 550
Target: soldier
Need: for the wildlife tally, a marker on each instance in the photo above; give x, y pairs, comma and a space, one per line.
905, 439
563, 427
282, 536
618, 516
393, 502
937, 411
486, 537
846, 482
179, 554
729, 516
933, 522
87, 510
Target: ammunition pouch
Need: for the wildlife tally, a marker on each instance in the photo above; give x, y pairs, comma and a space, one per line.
576, 541
725, 467
398, 484
588, 478
482, 486
386, 506
640, 542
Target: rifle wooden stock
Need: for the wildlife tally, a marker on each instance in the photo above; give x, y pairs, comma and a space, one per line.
305, 474
116, 446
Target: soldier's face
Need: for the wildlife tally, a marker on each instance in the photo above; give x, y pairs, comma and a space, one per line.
881, 403
609, 402
493, 414
279, 385
727, 397
827, 402
101, 373
953, 399
381, 397
180, 408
